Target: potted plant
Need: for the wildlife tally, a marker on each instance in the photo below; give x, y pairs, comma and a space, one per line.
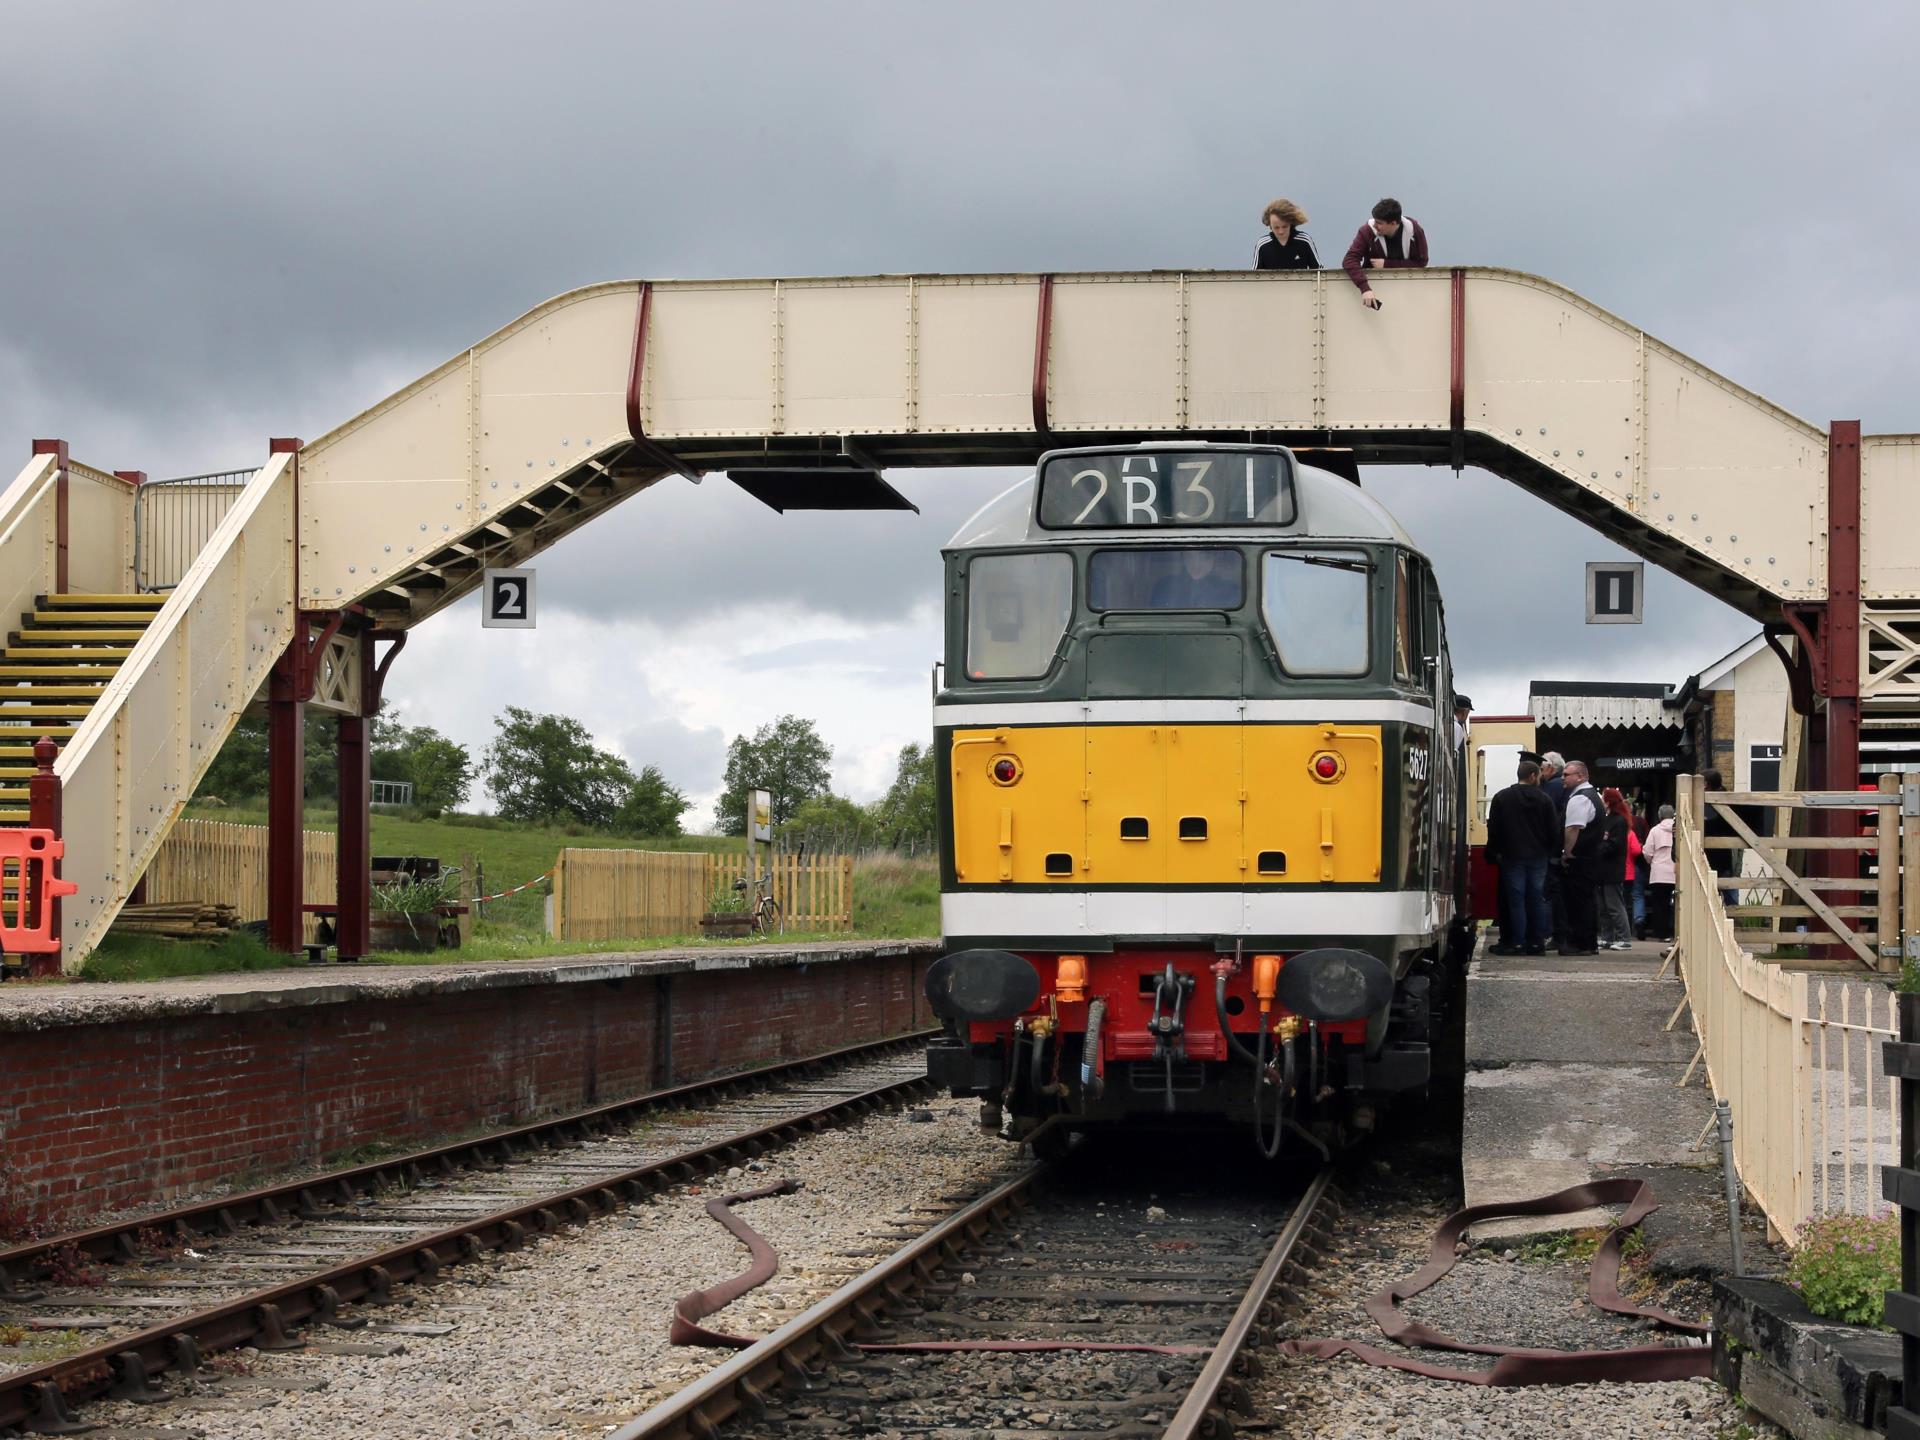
727, 915
403, 911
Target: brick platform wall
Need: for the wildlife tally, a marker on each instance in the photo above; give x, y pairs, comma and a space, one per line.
97, 1117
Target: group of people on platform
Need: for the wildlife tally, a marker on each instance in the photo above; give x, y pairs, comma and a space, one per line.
1389, 240
1581, 870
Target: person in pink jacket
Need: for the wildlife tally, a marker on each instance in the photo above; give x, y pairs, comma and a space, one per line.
1660, 876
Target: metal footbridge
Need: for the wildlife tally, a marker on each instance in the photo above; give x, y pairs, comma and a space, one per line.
339, 545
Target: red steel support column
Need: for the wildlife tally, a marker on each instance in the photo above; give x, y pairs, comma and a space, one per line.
287, 793
1841, 633
43, 813
1042, 352
353, 925
58, 449
287, 692
1457, 377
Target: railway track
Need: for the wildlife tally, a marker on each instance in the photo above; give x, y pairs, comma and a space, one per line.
164, 1291
1054, 1304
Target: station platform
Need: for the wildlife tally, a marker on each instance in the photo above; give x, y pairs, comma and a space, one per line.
1571, 1076
123, 1095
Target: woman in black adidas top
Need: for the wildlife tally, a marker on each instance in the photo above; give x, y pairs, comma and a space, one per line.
1285, 248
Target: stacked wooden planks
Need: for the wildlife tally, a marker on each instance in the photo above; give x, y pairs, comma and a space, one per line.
182, 920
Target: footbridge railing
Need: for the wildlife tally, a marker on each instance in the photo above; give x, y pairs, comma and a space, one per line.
1792, 1050
133, 763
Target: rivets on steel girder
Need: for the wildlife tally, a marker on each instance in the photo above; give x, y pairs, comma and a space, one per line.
494, 483
1696, 516
1543, 429
1669, 515
1770, 559
1733, 537
529, 464
338, 591
423, 525
1519, 432
352, 569
1656, 494
1595, 475
1709, 539
1616, 475
1556, 454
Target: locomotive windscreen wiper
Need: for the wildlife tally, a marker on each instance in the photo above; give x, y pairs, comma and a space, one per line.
1332, 562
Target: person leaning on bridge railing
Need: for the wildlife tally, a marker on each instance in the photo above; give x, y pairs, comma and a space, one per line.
1389, 241
1286, 246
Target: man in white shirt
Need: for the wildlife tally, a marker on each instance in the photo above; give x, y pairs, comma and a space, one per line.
1579, 863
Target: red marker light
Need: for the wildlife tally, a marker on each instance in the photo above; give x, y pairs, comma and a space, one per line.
1005, 771
1326, 766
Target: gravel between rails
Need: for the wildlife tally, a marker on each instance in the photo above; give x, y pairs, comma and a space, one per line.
1383, 1235
568, 1338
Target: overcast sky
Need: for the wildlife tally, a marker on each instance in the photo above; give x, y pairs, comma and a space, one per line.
229, 221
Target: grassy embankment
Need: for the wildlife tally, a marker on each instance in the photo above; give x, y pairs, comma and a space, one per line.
893, 898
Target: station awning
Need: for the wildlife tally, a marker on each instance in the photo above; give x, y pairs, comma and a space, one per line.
1603, 707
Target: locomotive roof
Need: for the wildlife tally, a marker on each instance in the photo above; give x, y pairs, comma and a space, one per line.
1330, 508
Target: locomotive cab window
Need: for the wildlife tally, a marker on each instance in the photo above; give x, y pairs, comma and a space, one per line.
1406, 621
1317, 607
1192, 578
1017, 610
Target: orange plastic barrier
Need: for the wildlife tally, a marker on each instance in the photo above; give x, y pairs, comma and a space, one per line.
27, 857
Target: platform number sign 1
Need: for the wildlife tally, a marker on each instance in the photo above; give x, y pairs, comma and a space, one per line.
1614, 591
506, 600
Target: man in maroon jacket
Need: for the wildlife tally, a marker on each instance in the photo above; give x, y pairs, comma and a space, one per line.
1388, 241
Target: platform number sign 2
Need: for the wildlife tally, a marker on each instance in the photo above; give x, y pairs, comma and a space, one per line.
1614, 591
506, 600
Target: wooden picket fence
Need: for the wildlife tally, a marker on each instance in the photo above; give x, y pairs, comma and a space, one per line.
815, 891
215, 862
628, 894
634, 894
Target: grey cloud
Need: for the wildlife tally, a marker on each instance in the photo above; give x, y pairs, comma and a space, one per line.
233, 220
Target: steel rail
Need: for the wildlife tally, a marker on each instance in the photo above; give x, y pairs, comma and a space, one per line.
823, 1331
1199, 1414
35, 1399
274, 1203
820, 1332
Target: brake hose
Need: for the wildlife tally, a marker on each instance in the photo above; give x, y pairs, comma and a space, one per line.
1267, 1148
1093, 1078
1234, 1043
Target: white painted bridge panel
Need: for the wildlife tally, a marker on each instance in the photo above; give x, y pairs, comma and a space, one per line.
734, 368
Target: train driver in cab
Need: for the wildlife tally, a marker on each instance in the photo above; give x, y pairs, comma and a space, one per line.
1199, 580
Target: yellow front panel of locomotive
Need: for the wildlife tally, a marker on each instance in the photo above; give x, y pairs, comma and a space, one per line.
1301, 828
1127, 804
1003, 832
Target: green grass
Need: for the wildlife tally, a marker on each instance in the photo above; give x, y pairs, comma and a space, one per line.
149, 957
893, 898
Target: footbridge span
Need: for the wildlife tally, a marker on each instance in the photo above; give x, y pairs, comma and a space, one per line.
339, 545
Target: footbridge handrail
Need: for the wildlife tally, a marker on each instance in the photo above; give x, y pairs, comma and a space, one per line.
135, 759
1749, 1018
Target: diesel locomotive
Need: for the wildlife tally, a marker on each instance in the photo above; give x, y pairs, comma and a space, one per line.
1201, 811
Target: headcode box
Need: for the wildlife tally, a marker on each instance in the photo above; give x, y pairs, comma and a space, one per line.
1614, 591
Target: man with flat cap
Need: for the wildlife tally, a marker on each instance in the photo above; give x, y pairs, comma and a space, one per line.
1523, 834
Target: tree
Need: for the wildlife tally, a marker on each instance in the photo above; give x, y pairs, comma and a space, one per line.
834, 823
440, 770
652, 806
907, 816
787, 758
547, 768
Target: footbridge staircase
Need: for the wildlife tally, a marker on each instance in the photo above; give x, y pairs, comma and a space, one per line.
339, 545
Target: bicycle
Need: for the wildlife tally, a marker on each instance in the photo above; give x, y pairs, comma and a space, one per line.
762, 905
